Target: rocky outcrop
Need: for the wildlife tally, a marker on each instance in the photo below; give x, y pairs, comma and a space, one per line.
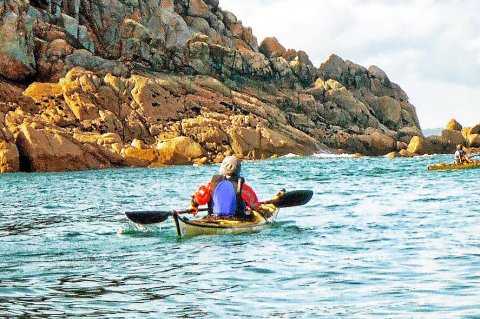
453, 135
85, 122
17, 61
149, 83
360, 101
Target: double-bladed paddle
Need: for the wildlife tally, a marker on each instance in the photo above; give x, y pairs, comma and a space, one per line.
283, 200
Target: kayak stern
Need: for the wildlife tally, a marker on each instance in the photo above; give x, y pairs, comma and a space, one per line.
206, 226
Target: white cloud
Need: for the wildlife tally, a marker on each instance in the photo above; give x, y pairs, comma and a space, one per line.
474, 46
435, 43
447, 102
391, 60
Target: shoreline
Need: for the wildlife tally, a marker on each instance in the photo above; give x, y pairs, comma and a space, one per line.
319, 156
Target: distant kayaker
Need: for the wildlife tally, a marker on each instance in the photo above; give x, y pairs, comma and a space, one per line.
227, 195
460, 156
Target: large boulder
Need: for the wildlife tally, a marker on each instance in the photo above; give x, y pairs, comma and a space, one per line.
454, 137
154, 99
377, 143
229, 17
271, 47
9, 157
453, 125
180, 150
417, 146
474, 140
49, 97
475, 129
46, 150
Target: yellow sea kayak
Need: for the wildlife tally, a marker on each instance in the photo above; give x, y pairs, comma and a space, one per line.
444, 166
209, 226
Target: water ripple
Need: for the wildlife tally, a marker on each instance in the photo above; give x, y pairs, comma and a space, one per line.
380, 239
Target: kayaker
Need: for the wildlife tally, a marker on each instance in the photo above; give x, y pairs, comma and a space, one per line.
227, 195
460, 156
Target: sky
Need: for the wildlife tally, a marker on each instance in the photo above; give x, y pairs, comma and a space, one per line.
431, 48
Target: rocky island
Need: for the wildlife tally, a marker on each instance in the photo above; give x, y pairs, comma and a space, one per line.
445, 143
88, 84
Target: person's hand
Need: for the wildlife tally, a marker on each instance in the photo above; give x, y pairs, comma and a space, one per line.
193, 210
193, 206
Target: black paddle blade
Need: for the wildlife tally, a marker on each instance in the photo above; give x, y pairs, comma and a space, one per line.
148, 217
294, 198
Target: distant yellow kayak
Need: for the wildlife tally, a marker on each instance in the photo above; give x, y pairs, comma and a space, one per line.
443, 166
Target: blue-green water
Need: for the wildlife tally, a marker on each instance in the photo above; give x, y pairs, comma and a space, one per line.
380, 239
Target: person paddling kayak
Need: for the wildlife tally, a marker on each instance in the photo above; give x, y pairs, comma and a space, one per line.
460, 156
227, 195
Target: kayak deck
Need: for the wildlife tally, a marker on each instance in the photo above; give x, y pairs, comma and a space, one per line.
209, 226
444, 166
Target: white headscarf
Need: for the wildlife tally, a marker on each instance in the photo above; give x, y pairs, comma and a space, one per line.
231, 166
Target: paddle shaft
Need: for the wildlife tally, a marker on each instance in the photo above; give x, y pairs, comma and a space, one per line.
189, 211
288, 199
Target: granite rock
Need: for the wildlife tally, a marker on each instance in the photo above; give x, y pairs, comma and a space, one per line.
108, 83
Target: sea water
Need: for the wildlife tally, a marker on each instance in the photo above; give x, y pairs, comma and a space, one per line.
380, 239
